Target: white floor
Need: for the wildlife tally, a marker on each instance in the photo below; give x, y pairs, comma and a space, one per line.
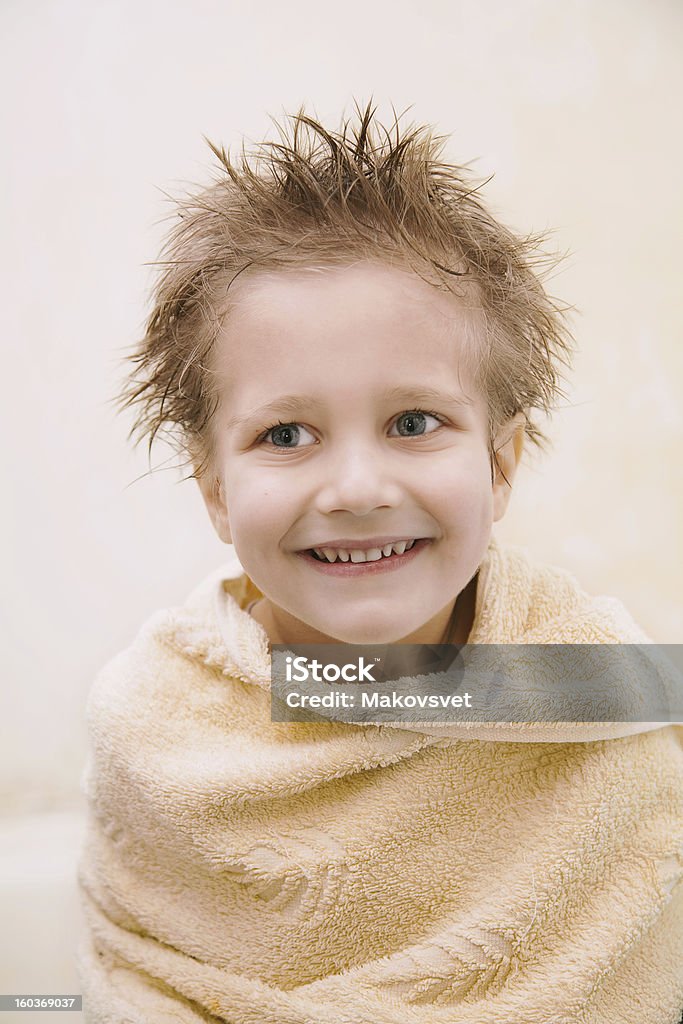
39, 909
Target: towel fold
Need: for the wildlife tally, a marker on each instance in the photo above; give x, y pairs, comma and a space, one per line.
241, 870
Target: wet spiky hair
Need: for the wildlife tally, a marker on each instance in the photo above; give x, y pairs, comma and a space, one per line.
315, 195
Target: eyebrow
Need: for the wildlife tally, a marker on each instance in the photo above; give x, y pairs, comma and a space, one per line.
427, 395
296, 403
286, 403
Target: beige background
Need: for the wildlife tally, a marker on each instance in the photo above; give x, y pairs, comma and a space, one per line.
573, 105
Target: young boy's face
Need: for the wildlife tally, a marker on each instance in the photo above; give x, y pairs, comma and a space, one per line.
382, 438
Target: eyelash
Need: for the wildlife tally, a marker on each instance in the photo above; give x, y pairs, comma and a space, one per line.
408, 412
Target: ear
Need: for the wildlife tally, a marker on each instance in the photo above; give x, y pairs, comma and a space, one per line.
507, 446
214, 498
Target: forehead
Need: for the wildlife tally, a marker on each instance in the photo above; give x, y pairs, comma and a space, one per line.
389, 291
343, 325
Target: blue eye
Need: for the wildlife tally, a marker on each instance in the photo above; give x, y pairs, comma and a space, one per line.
415, 422
286, 435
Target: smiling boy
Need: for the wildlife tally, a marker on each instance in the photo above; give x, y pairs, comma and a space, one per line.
390, 444
350, 351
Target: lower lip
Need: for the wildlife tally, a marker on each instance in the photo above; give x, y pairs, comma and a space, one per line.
354, 569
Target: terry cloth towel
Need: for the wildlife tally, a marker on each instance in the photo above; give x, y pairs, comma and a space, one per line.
252, 872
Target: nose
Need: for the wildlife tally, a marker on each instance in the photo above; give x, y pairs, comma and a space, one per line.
357, 479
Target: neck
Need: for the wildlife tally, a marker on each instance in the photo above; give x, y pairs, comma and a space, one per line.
462, 617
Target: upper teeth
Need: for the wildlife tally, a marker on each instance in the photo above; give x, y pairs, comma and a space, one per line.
371, 555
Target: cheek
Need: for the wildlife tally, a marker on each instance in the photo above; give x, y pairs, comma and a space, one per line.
258, 505
464, 494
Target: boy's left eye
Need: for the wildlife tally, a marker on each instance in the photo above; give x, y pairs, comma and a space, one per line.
415, 422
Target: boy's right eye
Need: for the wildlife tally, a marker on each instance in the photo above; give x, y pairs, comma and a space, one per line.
286, 435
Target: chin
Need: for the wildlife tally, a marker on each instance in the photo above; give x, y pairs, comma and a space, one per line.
385, 633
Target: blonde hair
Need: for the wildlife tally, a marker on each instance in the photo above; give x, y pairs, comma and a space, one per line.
317, 195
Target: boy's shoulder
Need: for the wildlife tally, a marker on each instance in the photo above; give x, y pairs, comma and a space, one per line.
521, 599
177, 646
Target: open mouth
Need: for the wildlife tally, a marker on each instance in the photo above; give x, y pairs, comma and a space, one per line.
332, 555
352, 562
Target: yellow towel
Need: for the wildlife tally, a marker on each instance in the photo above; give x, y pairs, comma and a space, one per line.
246, 871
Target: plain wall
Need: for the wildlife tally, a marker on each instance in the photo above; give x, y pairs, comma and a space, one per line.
573, 105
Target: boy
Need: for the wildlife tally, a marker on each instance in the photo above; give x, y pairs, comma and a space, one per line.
351, 350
